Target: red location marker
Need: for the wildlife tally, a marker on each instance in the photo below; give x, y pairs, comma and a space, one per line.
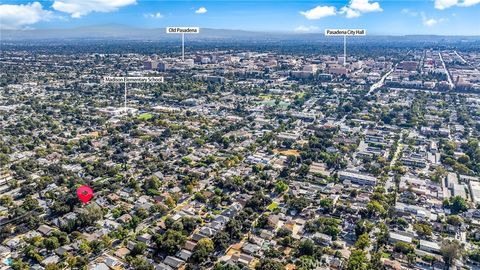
84, 193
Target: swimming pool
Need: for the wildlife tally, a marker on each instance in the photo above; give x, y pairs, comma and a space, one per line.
8, 261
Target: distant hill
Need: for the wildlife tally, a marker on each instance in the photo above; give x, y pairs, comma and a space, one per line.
116, 31
123, 32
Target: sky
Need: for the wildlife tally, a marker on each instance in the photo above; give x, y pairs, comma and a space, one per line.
381, 17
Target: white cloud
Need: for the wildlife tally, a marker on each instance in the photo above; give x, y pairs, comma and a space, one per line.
409, 12
201, 10
350, 13
430, 21
357, 7
365, 6
319, 12
469, 3
156, 15
307, 29
444, 4
79, 8
20, 16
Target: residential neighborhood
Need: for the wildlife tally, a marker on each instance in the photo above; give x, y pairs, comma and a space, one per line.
248, 158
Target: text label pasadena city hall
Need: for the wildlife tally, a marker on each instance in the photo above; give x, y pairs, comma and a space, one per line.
345, 32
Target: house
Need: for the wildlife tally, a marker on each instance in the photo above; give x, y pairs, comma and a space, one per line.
208, 231
62, 250
45, 230
251, 249
175, 263
4, 252
184, 254
111, 262
124, 218
256, 240
15, 243
122, 252
391, 265
189, 245
99, 266
242, 258
265, 234
429, 246
145, 238
322, 239
197, 236
273, 221
162, 266
357, 178
110, 224
51, 259
397, 237
332, 262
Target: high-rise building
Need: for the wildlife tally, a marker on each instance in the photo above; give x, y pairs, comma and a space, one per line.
150, 65
162, 66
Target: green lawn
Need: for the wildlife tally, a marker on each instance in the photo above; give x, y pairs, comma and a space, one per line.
272, 206
145, 116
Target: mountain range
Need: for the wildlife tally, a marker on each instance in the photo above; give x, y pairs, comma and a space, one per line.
123, 32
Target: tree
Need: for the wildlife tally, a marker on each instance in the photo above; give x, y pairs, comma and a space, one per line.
70, 260
298, 203
375, 208
202, 250
170, 242
411, 258
90, 214
382, 235
363, 241
464, 159
327, 204
363, 226
52, 266
221, 240
189, 224
262, 222
357, 260
474, 255
403, 248
306, 247
429, 258
423, 229
51, 243
138, 249
273, 253
233, 228
6, 200
438, 174
269, 264
85, 248
139, 263
450, 250
376, 261
281, 186
30, 203
303, 171
226, 266
458, 205
306, 263
454, 220
18, 264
